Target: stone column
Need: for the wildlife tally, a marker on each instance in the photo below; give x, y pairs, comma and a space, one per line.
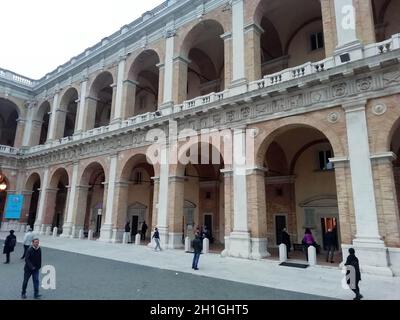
36, 130
169, 72
107, 227
163, 196
180, 80
228, 208
71, 204
128, 98
239, 242
161, 78
26, 206
51, 197
227, 37
113, 102
53, 118
28, 132
42, 200
80, 123
348, 47
365, 24
386, 198
175, 211
61, 116
19, 134
252, 38
118, 111
329, 26
239, 81
120, 210
154, 219
257, 211
371, 249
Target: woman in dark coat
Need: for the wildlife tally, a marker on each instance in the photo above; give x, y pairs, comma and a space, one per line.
9, 245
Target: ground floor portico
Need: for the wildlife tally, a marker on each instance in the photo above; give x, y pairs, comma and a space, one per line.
329, 169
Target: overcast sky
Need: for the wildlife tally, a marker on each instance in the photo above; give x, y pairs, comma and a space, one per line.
39, 35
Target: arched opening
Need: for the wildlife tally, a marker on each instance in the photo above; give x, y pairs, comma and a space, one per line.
296, 156
386, 18
136, 194
41, 128
144, 75
293, 34
202, 200
90, 199
395, 148
100, 101
8, 122
33, 187
56, 200
66, 117
204, 48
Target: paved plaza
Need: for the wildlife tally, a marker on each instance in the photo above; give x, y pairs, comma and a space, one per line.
95, 270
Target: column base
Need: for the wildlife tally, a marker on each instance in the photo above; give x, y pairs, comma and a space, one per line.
163, 231
67, 230
43, 229
259, 248
175, 240
117, 236
36, 228
225, 252
105, 233
75, 232
349, 52
373, 257
240, 245
238, 86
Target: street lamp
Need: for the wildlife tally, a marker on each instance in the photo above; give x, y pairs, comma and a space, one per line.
3, 183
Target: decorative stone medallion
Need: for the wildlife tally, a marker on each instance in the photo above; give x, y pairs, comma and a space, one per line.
333, 117
379, 109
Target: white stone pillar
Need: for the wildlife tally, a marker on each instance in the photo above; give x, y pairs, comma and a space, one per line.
372, 252
137, 240
282, 252
239, 82
81, 107
42, 198
53, 117
107, 227
162, 219
312, 255
90, 235
118, 95
240, 244
71, 207
55, 232
28, 124
169, 65
348, 46
206, 246
187, 244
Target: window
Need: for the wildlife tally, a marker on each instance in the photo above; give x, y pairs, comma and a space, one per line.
324, 163
317, 41
138, 177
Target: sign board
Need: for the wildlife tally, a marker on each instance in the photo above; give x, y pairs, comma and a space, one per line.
14, 206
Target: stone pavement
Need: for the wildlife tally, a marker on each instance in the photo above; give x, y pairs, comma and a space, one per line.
319, 281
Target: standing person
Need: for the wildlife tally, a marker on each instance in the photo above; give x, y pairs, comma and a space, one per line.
33, 263
354, 272
9, 245
329, 242
144, 230
27, 241
156, 237
308, 240
198, 247
128, 227
286, 241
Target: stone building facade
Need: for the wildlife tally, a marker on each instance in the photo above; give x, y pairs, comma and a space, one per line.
307, 91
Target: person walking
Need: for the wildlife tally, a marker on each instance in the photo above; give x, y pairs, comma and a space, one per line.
198, 247
33, 263
330, 244
144, 230
27, 241
308, 240
286, 241
156, 237
128, 227
9, 245
353, 271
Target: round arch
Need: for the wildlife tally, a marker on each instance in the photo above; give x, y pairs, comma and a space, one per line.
9, 114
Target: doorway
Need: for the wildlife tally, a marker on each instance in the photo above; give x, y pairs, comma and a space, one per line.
208, 224
98, 224
134, 229
326, 224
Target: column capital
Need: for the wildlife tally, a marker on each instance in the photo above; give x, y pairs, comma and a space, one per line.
354, 106
254, 27
280, 180
226, 36
384, 156
130, 82
181, 59
170, 33
176, 179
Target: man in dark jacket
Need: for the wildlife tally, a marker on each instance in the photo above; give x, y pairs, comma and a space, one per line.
353, 273
9, 245
330, 245
33, 263
198, 247
286, 241
144, 230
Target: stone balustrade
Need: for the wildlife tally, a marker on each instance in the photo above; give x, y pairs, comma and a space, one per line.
14, 77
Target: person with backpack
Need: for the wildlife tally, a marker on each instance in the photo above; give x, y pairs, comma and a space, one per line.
9, 245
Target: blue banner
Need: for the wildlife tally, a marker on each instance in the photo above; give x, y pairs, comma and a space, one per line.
14, 206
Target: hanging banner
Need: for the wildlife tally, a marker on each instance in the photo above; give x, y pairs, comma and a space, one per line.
14, 206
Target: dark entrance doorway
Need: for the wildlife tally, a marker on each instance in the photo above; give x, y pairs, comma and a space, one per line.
208, 224
135, 222
280, 224
326, 224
